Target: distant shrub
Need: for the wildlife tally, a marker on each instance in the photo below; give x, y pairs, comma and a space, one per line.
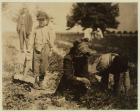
113, 32
136, 32
126, 45
130, 32
125, 32
119, 32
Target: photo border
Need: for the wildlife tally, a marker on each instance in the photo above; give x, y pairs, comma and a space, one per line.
120, 1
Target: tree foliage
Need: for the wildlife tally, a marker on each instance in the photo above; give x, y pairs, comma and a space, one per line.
94, 15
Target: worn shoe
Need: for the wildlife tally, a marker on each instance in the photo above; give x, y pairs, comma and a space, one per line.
41, 85
36, 86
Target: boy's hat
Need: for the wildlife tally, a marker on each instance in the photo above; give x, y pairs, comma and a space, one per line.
85, 39
76, 43
42, 15
24, 6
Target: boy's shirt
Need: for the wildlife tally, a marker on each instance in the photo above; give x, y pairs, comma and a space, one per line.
84, 48
43, 35
88, 33
99, 34
105, 60
25, 22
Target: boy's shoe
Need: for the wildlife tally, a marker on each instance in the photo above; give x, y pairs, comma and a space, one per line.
41, 85
36, 86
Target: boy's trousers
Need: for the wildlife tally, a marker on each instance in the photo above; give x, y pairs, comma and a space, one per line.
41, 61
23, 38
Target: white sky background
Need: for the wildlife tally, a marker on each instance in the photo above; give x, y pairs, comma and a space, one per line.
127, 18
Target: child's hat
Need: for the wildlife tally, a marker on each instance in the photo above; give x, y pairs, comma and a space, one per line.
42, 15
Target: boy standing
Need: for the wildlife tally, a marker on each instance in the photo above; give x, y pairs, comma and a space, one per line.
43, 43
24, 28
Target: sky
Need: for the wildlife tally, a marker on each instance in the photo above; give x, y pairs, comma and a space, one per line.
127, 18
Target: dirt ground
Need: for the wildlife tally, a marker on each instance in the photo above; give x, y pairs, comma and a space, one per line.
20, 96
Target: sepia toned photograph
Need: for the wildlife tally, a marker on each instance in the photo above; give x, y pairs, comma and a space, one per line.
69, 55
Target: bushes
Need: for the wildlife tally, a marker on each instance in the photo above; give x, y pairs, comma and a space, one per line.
125, 45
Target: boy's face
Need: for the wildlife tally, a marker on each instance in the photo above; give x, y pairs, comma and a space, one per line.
43, 22
24, 10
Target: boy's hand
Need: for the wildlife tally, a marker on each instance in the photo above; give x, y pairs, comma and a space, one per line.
51, 51
84, 80
37, 51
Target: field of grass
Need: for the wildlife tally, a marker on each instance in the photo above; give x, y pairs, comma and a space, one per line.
22, 96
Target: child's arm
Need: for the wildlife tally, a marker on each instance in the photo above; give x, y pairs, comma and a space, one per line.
18, 24
52, 37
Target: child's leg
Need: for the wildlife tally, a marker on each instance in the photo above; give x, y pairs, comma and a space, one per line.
44, 59
116, 86
104, 80
127, 82
27, 41
21, 38
27, 63
44, 64
36, 67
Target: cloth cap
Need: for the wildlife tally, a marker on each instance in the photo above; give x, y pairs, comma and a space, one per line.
42, 15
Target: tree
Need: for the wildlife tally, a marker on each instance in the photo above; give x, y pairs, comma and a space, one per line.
94, 15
